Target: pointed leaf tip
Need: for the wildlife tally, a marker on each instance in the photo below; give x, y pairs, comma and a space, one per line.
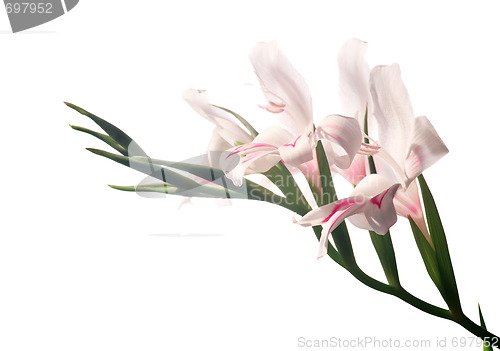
106, 138
243, 121
487, 343
120, 137
121, 187
438, 237
428, 255
74, 107
481, 319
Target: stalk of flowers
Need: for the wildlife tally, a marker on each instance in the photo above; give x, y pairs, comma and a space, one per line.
294, 146
408, 145
377, 144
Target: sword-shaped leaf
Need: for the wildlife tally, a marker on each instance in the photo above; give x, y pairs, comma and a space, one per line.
139, 160
126, 142
166, 175
104, 137
382, 243
328, 193
243, 121
443, 259
340, 234
387, 257
428, 254
205, 172
165, 188
487, 343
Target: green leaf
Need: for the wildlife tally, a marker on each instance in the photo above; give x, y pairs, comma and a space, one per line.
340, 234
120, 141
165, 188
371, 162
486, 344
243, 121
140, 161
329, 194
383, 243
343, 244
448, 282
428, 254
257, 192
252, 191
106, 138
387, 257
126, 142
205, 172
280, 176
168, 176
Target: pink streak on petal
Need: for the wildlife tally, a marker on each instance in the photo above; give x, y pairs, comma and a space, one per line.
247, 147
341, 206
294, 143
377, 199
413, 161
276, 104
334, 222
274, 107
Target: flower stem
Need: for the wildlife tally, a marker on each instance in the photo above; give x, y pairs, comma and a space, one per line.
477, 330
397, 291
400, 292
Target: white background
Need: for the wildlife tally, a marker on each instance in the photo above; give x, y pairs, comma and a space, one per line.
85, 267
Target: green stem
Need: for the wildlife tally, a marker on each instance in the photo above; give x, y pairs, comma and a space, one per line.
383, 243
349, 263
477, 330
328, 193
387, 257
398, 291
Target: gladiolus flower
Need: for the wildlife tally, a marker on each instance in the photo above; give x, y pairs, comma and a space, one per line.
370, 206
287, 92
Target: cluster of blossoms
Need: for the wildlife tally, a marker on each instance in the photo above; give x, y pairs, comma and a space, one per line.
378, 145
